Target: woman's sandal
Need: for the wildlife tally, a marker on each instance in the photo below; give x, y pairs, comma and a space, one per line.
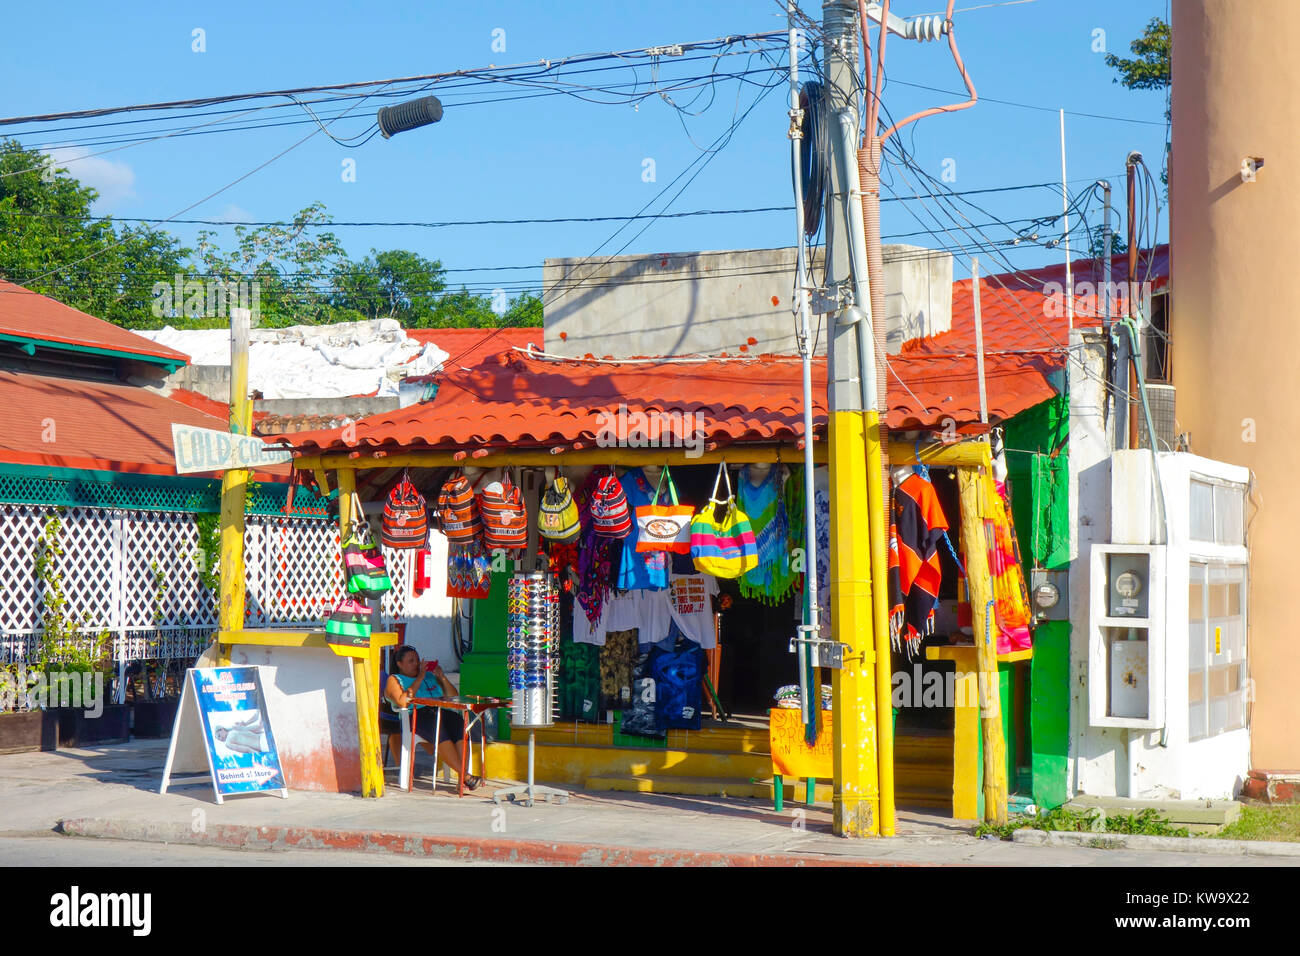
472, 783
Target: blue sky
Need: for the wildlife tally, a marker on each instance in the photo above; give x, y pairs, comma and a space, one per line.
558, 156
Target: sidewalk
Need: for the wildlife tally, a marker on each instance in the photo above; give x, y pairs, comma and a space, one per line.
113, 792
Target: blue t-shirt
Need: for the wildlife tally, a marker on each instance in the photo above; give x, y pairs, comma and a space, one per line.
645, 569
429, 686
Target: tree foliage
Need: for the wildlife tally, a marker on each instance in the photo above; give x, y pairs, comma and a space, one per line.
1149, 67
141, 277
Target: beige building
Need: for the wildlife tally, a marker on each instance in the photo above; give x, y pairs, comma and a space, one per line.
1234, 328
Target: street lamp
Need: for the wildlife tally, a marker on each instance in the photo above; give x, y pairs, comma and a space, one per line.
409, 115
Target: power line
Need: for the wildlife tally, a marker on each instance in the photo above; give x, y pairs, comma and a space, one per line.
548, 66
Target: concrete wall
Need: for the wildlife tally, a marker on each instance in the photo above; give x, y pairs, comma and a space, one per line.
314, 720
1236, 345
710, 302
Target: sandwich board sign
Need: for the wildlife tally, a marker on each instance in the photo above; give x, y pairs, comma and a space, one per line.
222, 726
207, 449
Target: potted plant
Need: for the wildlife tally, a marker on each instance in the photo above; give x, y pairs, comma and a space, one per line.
76, 666
152, 711
23, 727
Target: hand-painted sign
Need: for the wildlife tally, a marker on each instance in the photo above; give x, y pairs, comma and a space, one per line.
206, 449
225, 709
791, 754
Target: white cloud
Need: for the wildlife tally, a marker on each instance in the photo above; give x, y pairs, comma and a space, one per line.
112, 179
233, 213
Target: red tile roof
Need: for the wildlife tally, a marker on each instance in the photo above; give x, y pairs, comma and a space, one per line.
469, 347
516, 401
1023, 311
31, 315
94, 425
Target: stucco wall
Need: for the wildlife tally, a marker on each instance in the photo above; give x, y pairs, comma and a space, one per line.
708, 302
1236, 344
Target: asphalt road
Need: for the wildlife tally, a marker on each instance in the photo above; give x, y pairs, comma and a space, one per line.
57, 850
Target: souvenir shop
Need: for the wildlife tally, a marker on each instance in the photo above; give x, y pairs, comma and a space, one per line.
668, 583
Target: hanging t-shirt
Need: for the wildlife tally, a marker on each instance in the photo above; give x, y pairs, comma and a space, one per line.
646, 569
620, 612
691, 607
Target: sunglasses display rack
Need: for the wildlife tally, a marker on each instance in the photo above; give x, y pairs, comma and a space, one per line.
532, 655
532, 647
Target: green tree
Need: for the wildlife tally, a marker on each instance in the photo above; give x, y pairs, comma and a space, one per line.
1148, 69
51, 243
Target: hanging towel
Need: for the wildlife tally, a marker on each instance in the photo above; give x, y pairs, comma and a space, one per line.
916, 527
765, 505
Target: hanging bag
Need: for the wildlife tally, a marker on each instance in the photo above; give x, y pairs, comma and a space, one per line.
664, 527
469, 573
364, 568
724, 548
609, 512
505, 522
557, 519
458, 512
406, 518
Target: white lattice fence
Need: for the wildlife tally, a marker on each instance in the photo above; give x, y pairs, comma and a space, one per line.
136, 574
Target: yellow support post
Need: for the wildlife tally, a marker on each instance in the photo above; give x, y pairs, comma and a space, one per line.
877, 506
973, 487
372, 776
234, 483
856, 798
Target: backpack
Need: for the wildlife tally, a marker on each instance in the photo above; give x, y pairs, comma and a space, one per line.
609, 511
458, 511
406, 519
505, 522
557, 519
364, 569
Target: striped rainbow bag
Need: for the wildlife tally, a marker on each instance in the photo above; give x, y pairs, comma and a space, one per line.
724, 548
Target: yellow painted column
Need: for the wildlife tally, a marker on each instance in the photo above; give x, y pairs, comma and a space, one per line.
973, 487
857, 787
878, 506
231, 594
372, 777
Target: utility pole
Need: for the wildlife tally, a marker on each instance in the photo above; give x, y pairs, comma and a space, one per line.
234, 482
1132, 347
853, 686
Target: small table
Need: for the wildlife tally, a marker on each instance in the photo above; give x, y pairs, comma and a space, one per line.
472, 708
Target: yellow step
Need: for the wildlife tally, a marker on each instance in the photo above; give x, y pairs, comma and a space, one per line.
686, 786
574, 764
723, 739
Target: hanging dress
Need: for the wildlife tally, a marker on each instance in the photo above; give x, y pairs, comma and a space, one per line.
770, 582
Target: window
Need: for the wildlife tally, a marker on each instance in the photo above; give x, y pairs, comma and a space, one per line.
1218, 512
1216, 631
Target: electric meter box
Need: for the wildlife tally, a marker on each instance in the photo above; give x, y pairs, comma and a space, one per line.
1126, 645
1127, 578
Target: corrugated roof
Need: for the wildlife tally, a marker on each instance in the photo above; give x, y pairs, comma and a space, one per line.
106, 426
32, 315
514, 400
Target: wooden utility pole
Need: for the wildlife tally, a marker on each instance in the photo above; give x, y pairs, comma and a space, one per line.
974, 485
234, 483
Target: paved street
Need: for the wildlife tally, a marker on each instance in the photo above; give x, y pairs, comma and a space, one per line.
57, 850
112, 791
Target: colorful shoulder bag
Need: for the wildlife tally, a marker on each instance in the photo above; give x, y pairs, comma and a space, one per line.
724, 548
664, 527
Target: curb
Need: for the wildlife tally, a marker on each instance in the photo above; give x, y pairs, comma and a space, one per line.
1125, 841
467, 849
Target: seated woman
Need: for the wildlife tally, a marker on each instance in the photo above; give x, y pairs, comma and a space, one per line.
411, 680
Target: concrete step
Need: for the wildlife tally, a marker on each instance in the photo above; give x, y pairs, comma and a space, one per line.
686, 786
1196, 815
574, 764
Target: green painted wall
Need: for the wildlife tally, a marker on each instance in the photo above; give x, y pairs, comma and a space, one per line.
483, 671
1038, 473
